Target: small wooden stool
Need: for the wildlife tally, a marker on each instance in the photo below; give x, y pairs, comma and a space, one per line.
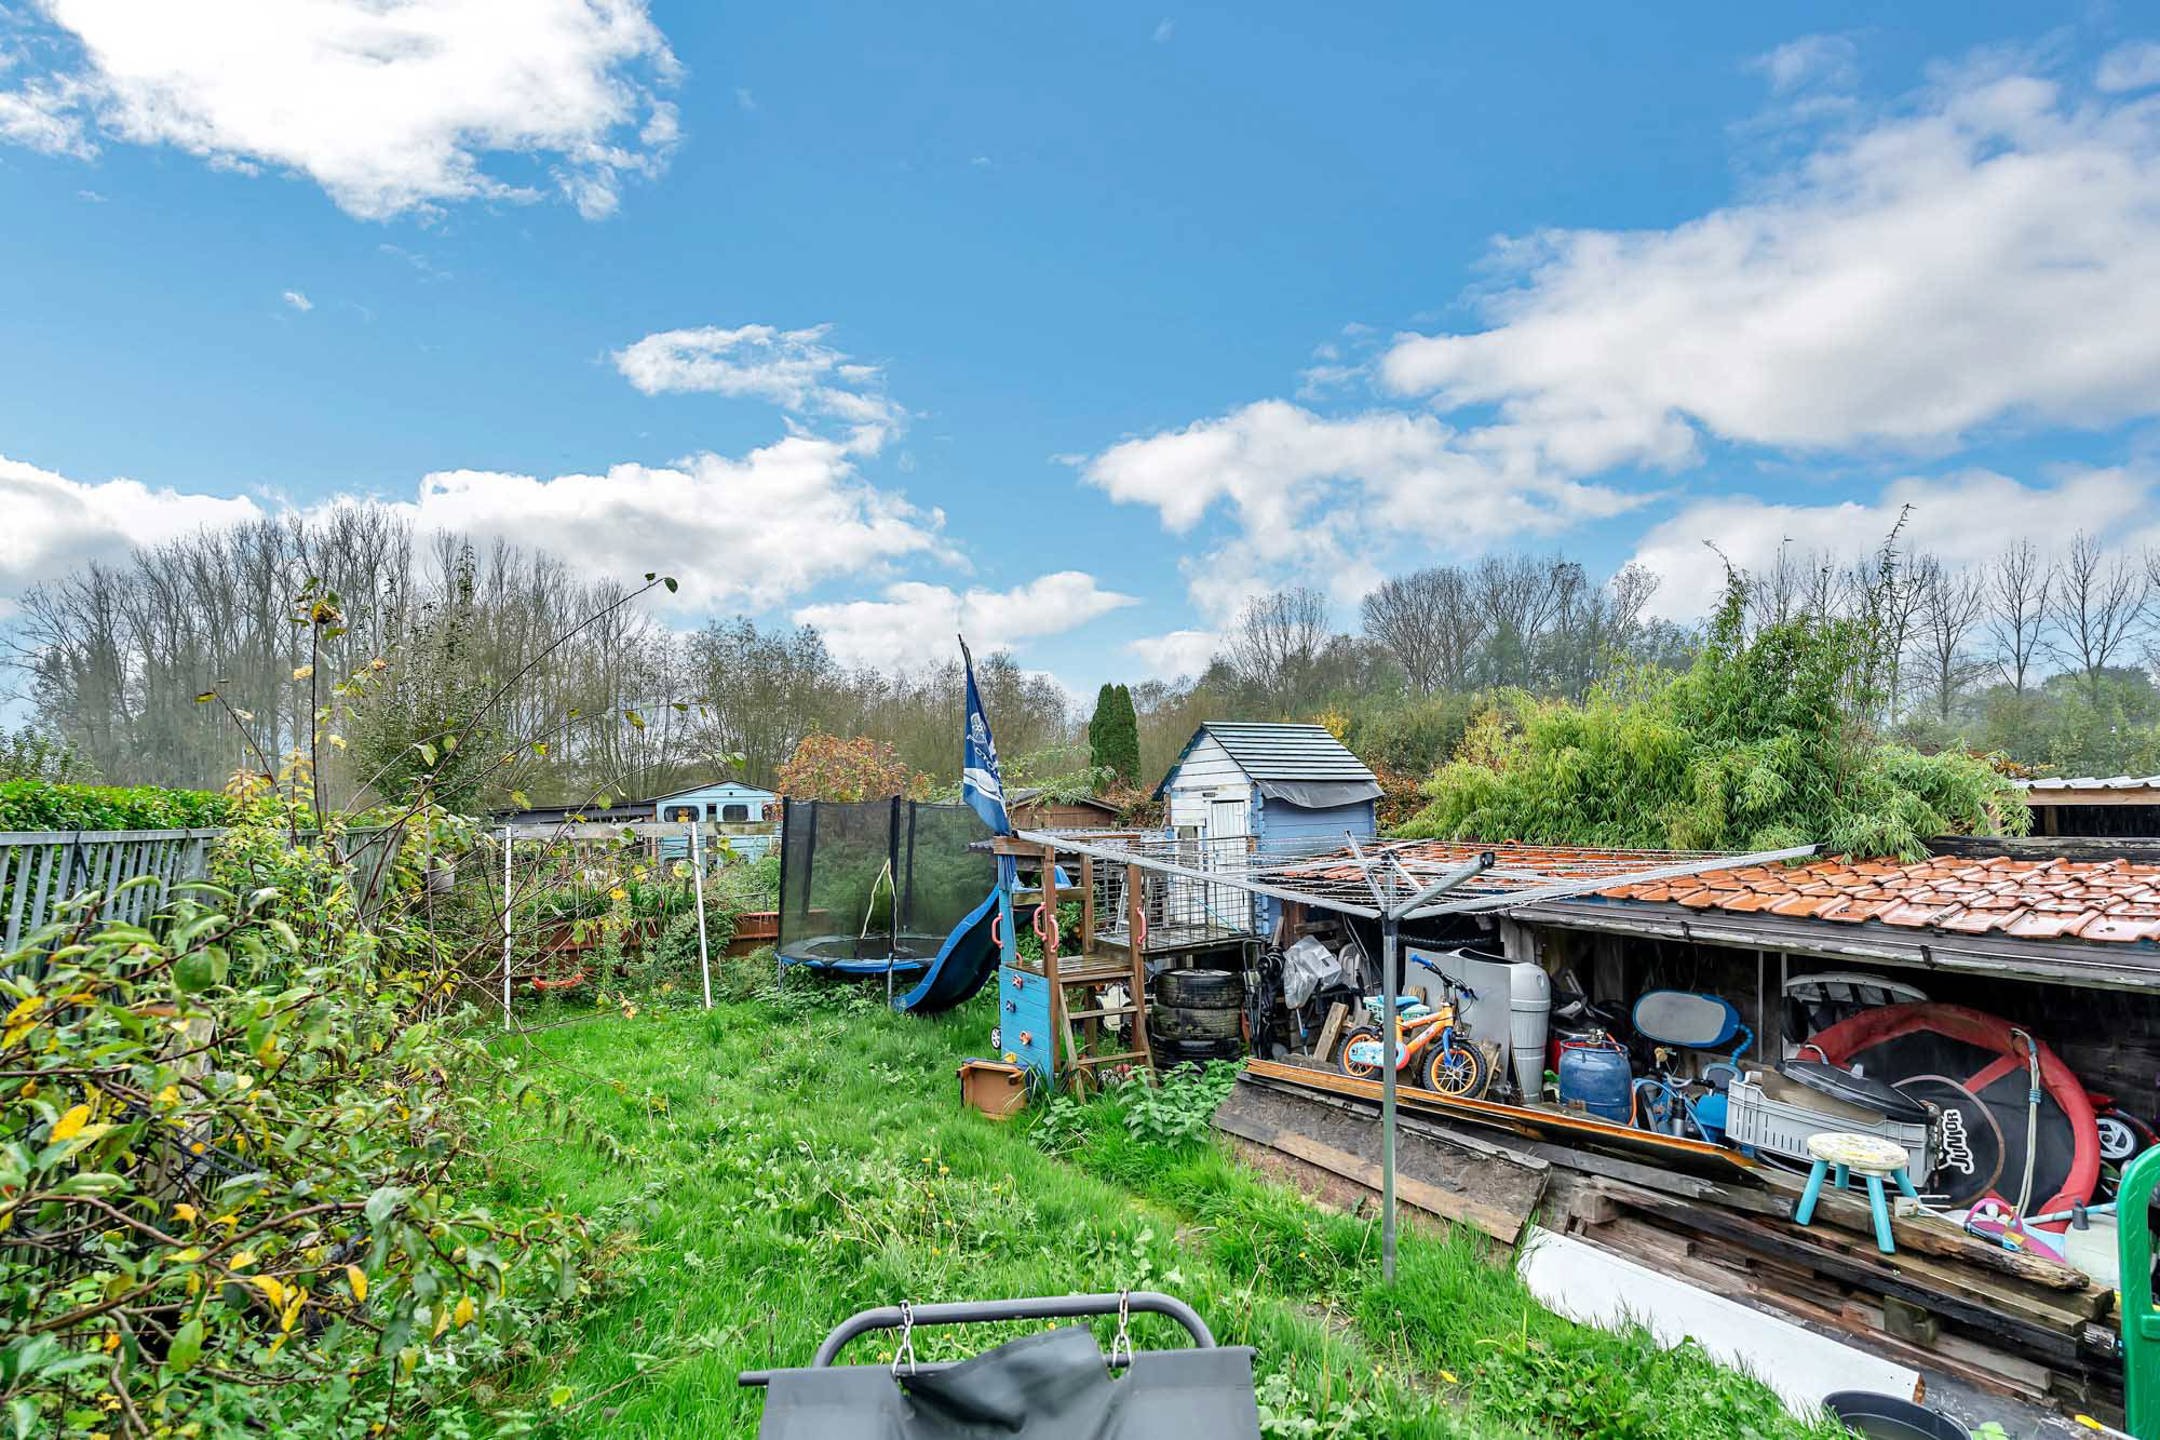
1872, 1158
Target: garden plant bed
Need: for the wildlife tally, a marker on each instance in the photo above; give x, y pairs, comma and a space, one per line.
788, 1158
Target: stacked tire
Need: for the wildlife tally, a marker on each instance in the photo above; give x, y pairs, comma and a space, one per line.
1198, 1016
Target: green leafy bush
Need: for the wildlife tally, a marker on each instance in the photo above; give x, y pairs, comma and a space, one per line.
1068, 917
1177, 1107
234, 1163
1763, 744
38, 805
672, 958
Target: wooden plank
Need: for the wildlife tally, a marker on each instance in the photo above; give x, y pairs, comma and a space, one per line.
2023, 1334
1931, 1235
1135, 913
2057, 1311
1330, 1028
1522, 1120
1410, 1125
1502, 1225
1486, 1185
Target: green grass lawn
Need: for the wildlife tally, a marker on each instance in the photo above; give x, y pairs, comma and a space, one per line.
790, 1157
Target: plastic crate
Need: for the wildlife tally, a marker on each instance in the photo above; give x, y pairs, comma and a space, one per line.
1783, 1123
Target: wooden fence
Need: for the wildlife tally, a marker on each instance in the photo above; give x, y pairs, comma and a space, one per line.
41, 869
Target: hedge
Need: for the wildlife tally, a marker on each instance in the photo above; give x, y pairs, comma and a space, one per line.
37, 805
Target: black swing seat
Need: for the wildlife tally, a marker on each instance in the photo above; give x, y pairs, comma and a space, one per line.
1053, 1385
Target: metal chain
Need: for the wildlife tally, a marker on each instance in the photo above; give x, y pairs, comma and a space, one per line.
1121, 1343
906, 1350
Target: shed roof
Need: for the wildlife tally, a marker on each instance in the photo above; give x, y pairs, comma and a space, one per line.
1280, 750
1030, 794
2114, 901
735, 787
2091, 790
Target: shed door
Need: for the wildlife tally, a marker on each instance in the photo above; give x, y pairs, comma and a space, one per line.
1228, 828
1228, 819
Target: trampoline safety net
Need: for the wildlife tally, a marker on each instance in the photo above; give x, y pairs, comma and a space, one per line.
877, 880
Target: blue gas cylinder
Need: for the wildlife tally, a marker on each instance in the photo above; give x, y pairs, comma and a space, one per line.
1599, 1078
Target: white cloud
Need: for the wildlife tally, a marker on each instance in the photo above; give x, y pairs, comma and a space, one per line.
1164, 30
794, 369
389, 105
1324, 499
915, 623
298, 301
753, 532
1829, 61
1279, 466
1177, 655
2135, 66
1961, 519
56, 525
1989, 254
42, 117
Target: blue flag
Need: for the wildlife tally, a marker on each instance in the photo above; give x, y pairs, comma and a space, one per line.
980, 784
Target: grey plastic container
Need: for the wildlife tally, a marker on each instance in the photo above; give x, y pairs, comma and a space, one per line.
1765, 1111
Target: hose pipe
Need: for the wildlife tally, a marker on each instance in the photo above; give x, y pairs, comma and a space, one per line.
2032, 1119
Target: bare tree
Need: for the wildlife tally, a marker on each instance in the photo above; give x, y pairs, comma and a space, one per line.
1277, 640
1520, 596
1951, 604
2101, 610
1899, 598
2020, 592
1427, 622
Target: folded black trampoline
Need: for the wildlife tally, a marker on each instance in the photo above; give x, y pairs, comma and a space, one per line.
1054, 1385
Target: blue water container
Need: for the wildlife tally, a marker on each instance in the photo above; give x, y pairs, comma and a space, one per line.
1599, 1078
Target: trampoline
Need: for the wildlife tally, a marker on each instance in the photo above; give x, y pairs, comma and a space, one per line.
889, 889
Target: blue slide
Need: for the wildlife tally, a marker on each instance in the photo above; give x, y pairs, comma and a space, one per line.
964, 963
965, 960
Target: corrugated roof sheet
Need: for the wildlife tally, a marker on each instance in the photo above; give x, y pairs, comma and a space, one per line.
1515, 866
2088, 782
2115, 901
1287, 751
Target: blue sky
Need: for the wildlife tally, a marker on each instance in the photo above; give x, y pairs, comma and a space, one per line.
1079, 324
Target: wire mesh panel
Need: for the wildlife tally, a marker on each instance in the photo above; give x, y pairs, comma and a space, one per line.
836, 880
888, 879
944, 878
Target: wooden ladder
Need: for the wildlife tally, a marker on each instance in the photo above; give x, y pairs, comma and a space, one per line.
1093, 969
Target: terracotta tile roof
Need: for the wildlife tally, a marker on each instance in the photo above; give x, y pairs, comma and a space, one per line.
2115, 901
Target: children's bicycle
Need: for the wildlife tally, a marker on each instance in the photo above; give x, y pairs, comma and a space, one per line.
1429, 1046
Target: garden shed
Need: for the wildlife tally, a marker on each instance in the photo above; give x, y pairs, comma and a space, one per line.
2113, 807
1036, 808
1279, 786
728, 803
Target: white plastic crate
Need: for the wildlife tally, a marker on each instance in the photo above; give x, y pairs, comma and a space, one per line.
1761, 1121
